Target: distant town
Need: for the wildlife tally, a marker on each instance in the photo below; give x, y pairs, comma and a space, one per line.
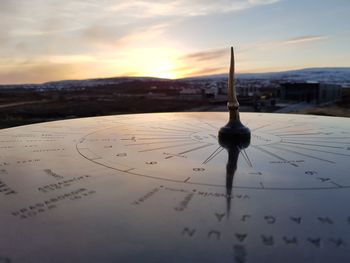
323, 91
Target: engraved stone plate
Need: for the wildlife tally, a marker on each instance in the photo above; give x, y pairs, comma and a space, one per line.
160, 188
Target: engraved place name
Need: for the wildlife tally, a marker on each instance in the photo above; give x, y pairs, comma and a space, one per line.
4, 164
39, 208
206, 194
287, 161
222, 195
146, 196
6, 147
53, 174
101, 140
10, 141
5, 189
267, 240
62, 184
41, 140
56, 136
31, 146
184, 203
261, 138
29, 135
29, 161
49, 150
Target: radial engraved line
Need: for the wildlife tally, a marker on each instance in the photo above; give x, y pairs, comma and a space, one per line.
182, 128
324, 137
286, 133
246, 157
280, 128
161, 138
300, 134
211, 125
183, 131
152, 133
213, 154
327, 146
191, 124
152, 130
162, 142
334, 183
316, 150
263, 126
197, 148
274, 155
295, 140
202, 127
186, 180
302, 154
167, 147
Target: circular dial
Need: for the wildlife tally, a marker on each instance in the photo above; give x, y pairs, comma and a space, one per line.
136, 188
285, 152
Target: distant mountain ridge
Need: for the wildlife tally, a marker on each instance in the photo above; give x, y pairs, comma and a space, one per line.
334, 75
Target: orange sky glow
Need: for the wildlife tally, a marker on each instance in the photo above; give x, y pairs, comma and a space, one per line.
47, 40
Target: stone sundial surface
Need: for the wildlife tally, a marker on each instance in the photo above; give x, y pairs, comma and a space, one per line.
154, 187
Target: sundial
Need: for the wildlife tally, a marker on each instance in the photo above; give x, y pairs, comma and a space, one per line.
165, 188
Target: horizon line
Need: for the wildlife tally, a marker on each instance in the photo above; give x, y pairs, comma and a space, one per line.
182, 78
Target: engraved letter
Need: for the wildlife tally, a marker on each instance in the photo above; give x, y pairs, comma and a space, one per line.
325, 220
292, 240
240, 253
315, 241
188, 231
270, 219
245, 217
241, 237
219, 216
214, 232
337, 242
296, 219
267, 240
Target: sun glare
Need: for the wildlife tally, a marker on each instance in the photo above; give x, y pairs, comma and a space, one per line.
153, 62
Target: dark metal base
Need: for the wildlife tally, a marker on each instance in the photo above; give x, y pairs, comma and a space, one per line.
234, 133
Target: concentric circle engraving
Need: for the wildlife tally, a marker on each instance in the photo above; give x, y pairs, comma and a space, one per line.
185, 149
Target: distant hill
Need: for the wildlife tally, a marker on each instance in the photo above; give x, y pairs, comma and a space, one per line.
84, 83
339, 76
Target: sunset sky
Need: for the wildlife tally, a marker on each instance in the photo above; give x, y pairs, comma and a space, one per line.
45, 40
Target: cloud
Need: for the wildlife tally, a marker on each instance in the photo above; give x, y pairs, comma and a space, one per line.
39, 73
303, 39
286, 42
147, 8
207, 55
206, 71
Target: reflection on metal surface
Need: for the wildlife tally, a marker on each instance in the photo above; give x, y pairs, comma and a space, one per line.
233, 146
139, 187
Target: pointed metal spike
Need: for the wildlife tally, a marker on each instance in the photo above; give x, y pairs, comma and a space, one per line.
234, 131
232, 103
